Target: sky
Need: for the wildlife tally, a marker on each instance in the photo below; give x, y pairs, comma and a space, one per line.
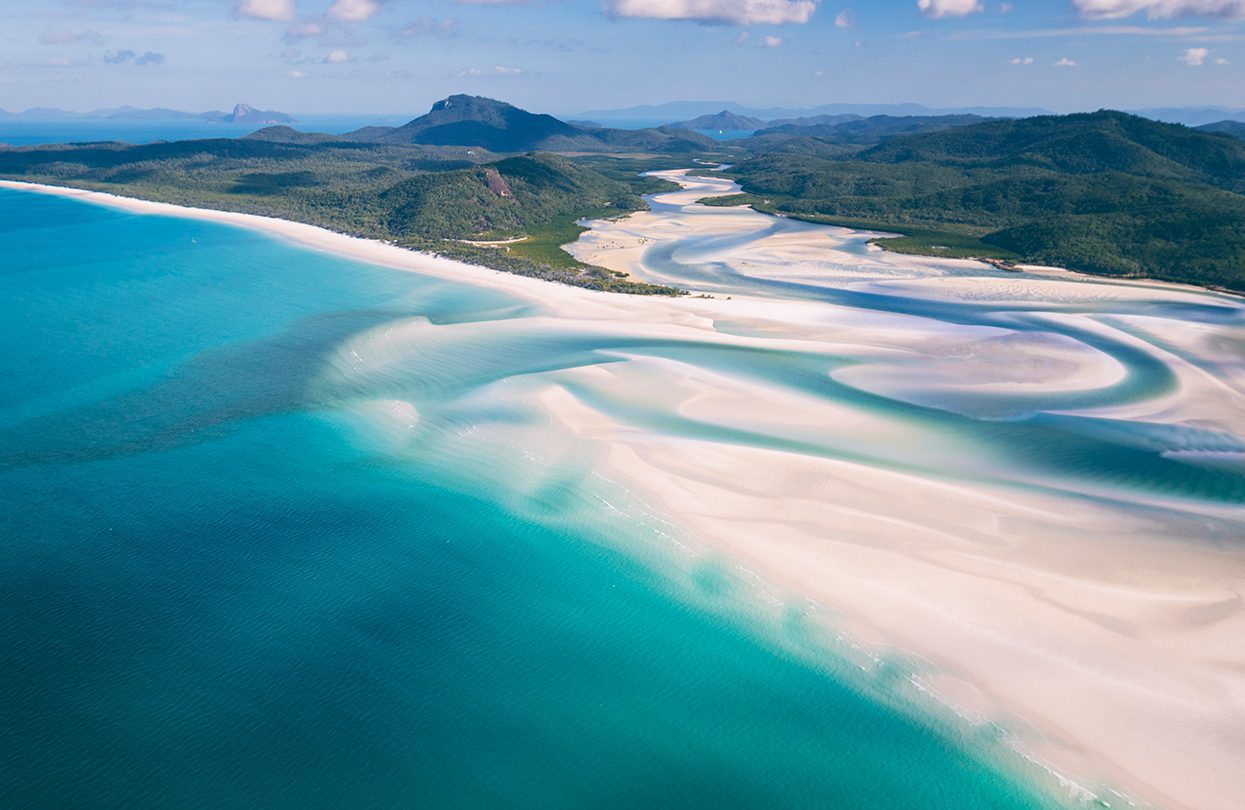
568, 56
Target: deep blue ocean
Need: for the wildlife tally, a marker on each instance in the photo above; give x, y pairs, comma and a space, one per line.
75, 130
218, 592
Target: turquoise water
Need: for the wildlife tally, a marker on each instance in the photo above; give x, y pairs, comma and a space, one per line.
223, 589
1035, 438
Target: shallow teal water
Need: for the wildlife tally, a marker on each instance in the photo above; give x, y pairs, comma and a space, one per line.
218, 592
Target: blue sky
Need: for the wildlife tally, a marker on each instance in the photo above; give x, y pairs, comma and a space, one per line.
565, 56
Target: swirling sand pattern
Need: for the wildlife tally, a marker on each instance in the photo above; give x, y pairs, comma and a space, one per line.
1033, 479
282, 529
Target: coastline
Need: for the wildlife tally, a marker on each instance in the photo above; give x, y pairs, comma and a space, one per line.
882, 234
991, 584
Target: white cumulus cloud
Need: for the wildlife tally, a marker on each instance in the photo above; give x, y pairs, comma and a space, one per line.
937, 9
772, 42
1020, 60
1195, 57
727, 12
1066, 62
353, 10
1159, 9
278, 10
843, 20
337, 57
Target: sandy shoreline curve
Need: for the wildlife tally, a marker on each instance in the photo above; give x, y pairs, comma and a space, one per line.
1108, 631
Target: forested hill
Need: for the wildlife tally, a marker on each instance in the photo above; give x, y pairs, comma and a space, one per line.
1102, 192
862, 131
500, 127
725, 120
473, 121
1085, 143
1233, 129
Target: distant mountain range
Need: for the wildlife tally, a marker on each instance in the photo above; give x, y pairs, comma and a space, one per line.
726, 116
689, 112
1193, 116
241, 114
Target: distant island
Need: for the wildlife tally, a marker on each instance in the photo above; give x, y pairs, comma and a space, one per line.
490, 183
241, 114
725, 121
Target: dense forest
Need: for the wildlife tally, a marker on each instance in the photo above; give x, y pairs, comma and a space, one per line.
1101, 192
434, 198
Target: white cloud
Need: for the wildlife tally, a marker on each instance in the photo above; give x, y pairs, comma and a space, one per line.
337, 57
1159, 9
296, 74
1219, 60
472, 73
741, 37
129, 57
1175, 32
772, 42
728, 12
1195, 57
58, 62
938, 9
353, 10
303, 31
278, 10
70, 37
1066, 62
843, 20
1020, 60
428, 25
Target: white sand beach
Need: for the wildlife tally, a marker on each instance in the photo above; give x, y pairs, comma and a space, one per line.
1101, 621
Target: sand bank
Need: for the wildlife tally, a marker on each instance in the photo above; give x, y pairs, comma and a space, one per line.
1100, 620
